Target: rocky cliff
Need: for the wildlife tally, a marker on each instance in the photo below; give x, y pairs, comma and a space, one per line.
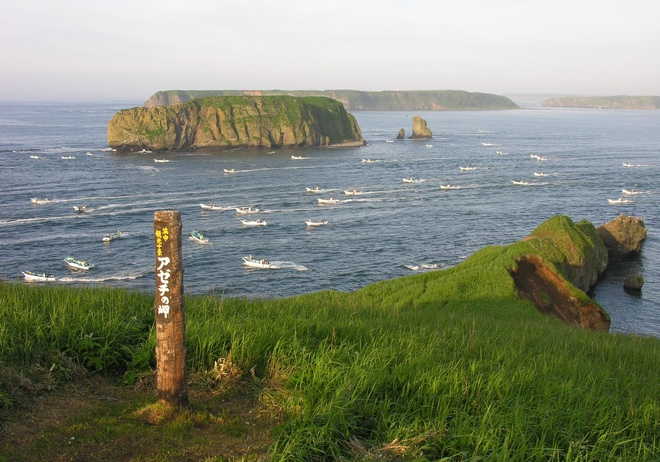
229, 122
420, 129
606, 102
354, 100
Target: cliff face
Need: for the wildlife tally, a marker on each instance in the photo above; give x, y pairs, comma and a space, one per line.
230, 122
606, 102
429, 100
419, 129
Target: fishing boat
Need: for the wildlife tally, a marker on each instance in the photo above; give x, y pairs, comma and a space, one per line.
411, 180
630, 192
521, 182
541, 174
354, 192
78, 264
38, 277
467, 169
389, 141
82, 209
45, 200
501, 153
368, 161
628, 165
246, 210
254, 263
620, 200
487, 144
111, 237
271, 153
68, 157
315, 190
299, 157
144, 151
327, 201
34, 157
257, 222
161, 160
198, 237
210, 207
229, 170
449, 186
316, 223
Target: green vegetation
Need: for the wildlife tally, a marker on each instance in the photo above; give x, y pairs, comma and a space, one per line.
606, 102
446, 365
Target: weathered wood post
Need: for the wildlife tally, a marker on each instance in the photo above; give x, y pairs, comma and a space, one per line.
171, 380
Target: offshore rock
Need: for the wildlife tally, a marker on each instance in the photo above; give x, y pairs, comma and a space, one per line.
230, 122
419, 129
634, 282
401, 135
623, 235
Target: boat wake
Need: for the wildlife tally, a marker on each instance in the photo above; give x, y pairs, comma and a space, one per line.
287, 265
423, 267
87, 280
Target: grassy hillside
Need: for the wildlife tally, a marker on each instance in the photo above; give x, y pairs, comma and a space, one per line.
606, 102
447, 365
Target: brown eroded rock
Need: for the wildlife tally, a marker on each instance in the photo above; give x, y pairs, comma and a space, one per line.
401, 135
420, 129
634, 282
537, 281
623, 235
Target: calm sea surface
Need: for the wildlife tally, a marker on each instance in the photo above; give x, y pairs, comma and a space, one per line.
392, 229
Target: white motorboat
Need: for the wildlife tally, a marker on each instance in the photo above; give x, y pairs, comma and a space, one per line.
210, 207
628, 165
246, 210
144, 151
299, 157
68, 157
316, 223
111, 237
429, 145
34, 157
38, 277
630, 192
327, 201
467, 169
411, 180
521, 182
254, 263
315, 190
229, 170
368, 161
487, 144
198, 237
389, 141
271, 153
353, 192
161, 160
257, 222
89, 153
449, 186
78, 264
83, 209
501, 153
45, 200
541, 174
620, 200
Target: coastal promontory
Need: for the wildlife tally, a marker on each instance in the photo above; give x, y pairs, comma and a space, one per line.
606, 102
231, 122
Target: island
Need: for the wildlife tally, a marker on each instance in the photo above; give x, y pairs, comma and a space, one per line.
233, 122
356, 100
605, 102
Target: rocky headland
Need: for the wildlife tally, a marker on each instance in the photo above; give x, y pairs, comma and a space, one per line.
231, 122
355, 100
606, 102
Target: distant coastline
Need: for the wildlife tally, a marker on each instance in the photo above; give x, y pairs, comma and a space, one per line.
606, 102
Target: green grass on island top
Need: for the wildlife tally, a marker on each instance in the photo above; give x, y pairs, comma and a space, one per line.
446, 365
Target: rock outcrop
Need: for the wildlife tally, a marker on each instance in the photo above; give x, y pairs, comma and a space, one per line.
230, 122
355, 100
401, 135
419, 129
634, 282
623, 235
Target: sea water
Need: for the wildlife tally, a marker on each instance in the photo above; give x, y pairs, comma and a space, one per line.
572, 161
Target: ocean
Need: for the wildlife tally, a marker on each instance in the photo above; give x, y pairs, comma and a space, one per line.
458, 197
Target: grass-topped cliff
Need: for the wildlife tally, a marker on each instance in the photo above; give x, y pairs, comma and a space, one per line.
229, 122
606, 102
446, 365
355, 100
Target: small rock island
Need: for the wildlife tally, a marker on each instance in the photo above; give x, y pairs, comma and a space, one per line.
233, 122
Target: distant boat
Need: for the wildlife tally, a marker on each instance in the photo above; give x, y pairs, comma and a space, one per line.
210, 207
78, 264
299, 157
257, 222
389, 141
246, 210
630, 192
38, 277
449, 186
83, 209
316, 223
161, 160
620, 200
253, 263
89, 153
327, 201
111, 237
521, 182
500, 153
368, 161
271, 153
315, 190
144, 151
34, 157
198, 237
354, 192
45, 200
68, 157
487, 144
467, 169
230, 170
628, 165
429, 145
410, 180
541, 174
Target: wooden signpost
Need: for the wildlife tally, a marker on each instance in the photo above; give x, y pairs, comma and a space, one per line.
169, 309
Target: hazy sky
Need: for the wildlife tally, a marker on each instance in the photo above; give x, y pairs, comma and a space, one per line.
59, 50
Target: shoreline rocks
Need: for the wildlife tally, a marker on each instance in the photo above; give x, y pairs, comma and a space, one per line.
419, 129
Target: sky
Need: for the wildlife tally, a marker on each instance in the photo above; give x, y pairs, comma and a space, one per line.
121, 50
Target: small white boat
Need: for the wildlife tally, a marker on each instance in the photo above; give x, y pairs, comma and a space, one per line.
198, 237
68, 157
271, 153
630, 192
501, 153
78, 264
389, 141
229, 170
38, 277
327, 201
161, 160
253, 263
111, 237
449, 186
45, 200
429, 145
315, 190
83, 209
354, 192
299, 157
34, 157
210, 207
467, 169
628, 165
144, 151
537, 157
411, 180
368, 161
257, 222
521, 182
246, 210
487, 144
620, 200
316, 223
541, 174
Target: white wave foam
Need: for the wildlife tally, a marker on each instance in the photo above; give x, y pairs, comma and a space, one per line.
287, 265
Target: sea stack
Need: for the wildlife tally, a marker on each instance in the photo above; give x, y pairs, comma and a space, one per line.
419, 129
401, 135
